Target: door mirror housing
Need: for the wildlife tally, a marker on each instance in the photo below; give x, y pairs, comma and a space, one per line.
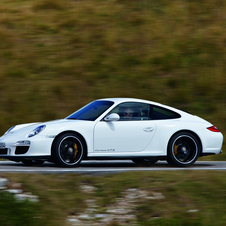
112, 117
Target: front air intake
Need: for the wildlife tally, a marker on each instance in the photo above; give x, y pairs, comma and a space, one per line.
21, 150
3, 151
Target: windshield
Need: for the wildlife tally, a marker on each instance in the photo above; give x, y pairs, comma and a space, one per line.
91, 111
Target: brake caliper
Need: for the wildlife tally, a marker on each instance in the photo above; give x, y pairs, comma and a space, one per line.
76, 150
175, 149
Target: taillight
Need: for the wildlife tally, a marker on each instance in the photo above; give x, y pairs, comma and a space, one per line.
213, 129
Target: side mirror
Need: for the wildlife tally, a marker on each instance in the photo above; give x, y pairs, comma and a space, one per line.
112, 117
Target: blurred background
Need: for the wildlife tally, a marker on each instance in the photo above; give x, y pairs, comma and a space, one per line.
58, 55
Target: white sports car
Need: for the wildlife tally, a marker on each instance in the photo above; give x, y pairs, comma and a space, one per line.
114, 128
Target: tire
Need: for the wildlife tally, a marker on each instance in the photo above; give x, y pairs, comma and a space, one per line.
183, 149
145, 161
32, 162
68, 150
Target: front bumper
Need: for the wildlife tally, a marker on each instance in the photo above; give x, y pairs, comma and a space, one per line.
36, 147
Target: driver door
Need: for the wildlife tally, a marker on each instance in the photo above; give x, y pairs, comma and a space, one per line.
128, 134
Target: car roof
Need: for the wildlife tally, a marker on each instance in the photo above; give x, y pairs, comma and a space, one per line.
125, 99
118, 100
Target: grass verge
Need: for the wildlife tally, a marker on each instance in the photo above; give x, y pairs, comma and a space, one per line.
190, 197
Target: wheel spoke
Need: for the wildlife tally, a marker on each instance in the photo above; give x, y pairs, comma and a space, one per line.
65, 151
182, 151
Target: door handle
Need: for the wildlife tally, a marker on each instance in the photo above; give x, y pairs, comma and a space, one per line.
149, 129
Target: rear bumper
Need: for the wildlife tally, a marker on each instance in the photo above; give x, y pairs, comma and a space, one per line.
209, 153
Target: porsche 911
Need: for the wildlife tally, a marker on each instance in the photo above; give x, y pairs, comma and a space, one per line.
114, 128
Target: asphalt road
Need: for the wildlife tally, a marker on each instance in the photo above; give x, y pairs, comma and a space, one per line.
105, 167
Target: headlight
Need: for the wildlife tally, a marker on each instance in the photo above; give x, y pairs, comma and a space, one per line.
8, 131
36, 131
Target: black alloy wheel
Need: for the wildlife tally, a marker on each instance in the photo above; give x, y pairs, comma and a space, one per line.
68, 150
183, 149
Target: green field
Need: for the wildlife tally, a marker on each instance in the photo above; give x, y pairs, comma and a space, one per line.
56, 56
185, 198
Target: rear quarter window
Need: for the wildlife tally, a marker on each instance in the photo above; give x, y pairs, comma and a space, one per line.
159, 113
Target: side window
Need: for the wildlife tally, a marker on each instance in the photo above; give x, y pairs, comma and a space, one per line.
132, 111
162, 113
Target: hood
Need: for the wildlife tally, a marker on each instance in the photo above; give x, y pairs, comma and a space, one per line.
51, 126
32, 125
20, 126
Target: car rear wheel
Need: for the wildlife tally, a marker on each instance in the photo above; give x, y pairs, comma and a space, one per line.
32, 162
183, 149
145, 161
68, 150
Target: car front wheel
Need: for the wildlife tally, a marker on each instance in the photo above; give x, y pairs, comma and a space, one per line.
68, 150
183, 149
